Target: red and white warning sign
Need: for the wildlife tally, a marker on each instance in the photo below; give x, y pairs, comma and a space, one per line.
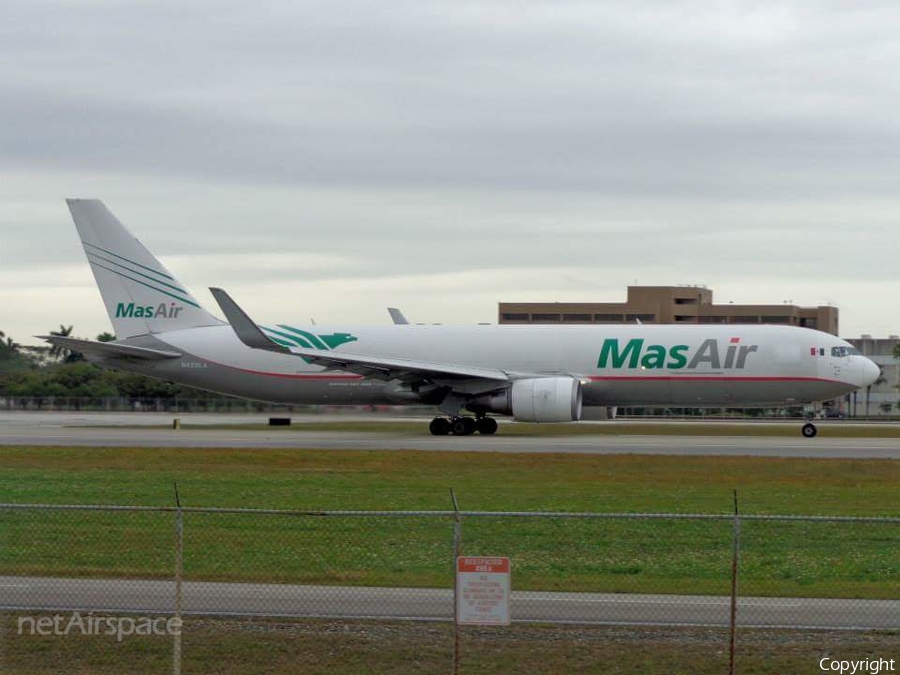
482, 591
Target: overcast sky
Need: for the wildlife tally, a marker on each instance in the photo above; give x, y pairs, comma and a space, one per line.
328, 159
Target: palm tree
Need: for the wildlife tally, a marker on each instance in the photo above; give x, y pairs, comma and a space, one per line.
58, 353
9, 347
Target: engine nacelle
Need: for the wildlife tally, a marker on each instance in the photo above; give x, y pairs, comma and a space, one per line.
539, 399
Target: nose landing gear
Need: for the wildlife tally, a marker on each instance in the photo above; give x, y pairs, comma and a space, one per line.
463, 426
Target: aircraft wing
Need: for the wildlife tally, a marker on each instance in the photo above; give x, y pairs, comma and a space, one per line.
395, 368
387, 368
109, 349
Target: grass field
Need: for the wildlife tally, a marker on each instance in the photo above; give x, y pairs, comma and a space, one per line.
668, 556
335, 647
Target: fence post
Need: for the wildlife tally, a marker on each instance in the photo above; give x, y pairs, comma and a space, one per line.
457, 545
179, 573
734, 580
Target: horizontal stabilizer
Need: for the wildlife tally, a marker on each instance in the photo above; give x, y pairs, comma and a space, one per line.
109, 349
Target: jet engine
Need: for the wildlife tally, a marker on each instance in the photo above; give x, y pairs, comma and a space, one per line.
539, 399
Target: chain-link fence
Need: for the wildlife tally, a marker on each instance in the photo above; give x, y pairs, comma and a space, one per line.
219, 405
366, 591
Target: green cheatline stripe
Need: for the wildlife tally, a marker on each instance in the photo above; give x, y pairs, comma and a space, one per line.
149, 269
295, 341
155, 281
314, 339
138, 281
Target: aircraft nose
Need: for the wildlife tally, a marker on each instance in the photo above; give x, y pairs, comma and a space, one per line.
871, 372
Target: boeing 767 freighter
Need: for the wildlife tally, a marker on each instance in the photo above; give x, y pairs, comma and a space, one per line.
532, 373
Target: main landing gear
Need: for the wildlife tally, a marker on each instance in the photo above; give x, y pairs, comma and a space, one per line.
809, 430
462, 426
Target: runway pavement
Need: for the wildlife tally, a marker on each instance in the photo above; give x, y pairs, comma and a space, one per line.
137, 430
248, 599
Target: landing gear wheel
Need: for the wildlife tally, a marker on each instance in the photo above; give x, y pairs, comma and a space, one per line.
462, 426
440, 426
809, 430
486, 426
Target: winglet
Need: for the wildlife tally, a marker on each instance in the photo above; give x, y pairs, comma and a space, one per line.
397, 316
243, 326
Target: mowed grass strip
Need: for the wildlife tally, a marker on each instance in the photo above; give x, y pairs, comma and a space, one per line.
648, 556
376, 479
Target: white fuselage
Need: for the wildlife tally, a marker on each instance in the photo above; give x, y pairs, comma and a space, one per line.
689, 366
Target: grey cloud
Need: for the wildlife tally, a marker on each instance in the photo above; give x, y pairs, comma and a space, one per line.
674, 141
493, 96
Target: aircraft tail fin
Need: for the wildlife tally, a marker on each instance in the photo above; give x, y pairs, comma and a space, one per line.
140, 294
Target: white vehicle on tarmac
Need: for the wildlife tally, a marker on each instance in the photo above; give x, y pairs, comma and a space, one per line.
531, 373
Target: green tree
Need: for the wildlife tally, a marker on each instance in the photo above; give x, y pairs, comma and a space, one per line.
31, 371
13, 356
106, 336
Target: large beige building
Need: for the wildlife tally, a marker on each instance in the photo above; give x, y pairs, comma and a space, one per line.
669, 304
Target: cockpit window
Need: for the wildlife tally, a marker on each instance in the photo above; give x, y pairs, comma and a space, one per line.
844, 351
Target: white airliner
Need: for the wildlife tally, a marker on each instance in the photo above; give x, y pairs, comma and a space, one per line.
532, 373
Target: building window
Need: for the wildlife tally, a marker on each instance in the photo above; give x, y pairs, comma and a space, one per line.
809, 323
685, 319
515, 317
711, 319
643, 318
608, 318
745, 319
577, 318
687, 301
545, 317
776, 319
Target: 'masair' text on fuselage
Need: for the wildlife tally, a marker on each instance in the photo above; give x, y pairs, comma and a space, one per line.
161, 311
635, 355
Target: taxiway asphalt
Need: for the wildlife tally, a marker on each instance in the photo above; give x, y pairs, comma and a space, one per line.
48, 594
147, 430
